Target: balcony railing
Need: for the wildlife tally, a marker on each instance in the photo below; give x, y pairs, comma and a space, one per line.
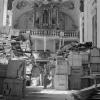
47, 33
53, 33
71, 34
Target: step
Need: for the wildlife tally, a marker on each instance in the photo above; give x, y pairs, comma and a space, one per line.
97, 90
96, 96
98, 93
94, 99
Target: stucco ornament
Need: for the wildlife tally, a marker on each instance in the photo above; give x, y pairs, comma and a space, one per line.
21, 4
62, 3
49, 14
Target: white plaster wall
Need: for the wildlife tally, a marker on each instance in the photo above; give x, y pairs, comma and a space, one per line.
74, 13
1, 12
87, 21
98, 23
5, 12
81, 26
17, 13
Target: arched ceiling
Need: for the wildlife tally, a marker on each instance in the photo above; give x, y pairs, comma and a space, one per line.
69, 7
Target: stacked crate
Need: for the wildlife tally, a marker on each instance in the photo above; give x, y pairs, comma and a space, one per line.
61, 82
14, 83
75, 62
85, 57
13, 87
16, 69
3, 71
85, 79
62, 66
95, 61
61, 74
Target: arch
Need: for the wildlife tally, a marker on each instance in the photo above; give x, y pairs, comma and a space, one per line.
24, 21
66, 22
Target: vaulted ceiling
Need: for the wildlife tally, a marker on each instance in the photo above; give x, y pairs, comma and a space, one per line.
22, 9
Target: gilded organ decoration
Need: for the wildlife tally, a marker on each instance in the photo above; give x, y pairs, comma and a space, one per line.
68, 4
21, 4
54, 16
36, 18
61, 21
45, 15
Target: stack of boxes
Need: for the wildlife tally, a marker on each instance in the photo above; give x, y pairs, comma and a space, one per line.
95, 63
85, 79
75, 63
78, 70
3, 71
85, 63
61, 74
14, 83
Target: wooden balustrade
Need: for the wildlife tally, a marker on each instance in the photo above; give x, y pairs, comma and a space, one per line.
71, 34
54, 33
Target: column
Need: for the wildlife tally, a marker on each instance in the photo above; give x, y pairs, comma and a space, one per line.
44, 43
54, 45
5, 12
41, 79
35, 45
50, 17
60, 43
63, 41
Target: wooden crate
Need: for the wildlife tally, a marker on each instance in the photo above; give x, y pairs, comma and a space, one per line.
75, 59
61, 70
76, 72
13, 87
1, 85
85, 57
95, 52
62, 67
86, 82
95, 67
61, 82
3, 70
16, 68
94, 59
74, 82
